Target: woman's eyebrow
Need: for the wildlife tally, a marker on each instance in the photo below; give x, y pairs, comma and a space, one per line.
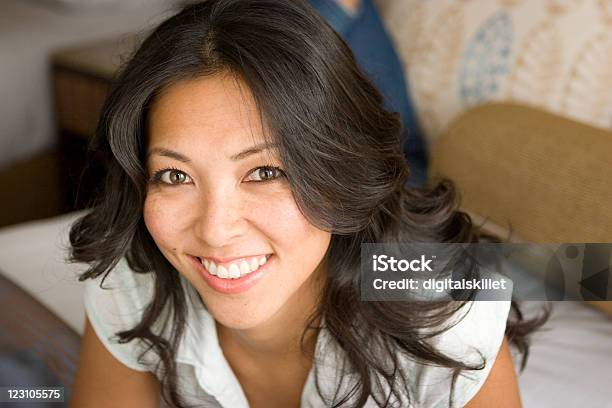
252, 150
238, 156
169, 153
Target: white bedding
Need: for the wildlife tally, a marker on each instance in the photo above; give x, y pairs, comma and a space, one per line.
29, 31
33, 256
571, 358
570, 363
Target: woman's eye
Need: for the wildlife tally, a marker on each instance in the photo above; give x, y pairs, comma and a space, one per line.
171, 176
264, 173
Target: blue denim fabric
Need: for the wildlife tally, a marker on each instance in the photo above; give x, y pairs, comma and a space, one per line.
365, 34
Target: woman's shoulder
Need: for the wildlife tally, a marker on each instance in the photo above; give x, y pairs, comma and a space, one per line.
115, 302
475, 335
121, 293
477, 325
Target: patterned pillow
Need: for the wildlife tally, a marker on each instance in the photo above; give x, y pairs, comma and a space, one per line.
554, 54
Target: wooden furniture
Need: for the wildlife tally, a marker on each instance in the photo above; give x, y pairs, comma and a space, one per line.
81, 78
30, 189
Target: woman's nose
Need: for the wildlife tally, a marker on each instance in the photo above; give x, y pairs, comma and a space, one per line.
220, 218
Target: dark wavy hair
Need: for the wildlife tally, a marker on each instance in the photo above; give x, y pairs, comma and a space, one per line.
342, 153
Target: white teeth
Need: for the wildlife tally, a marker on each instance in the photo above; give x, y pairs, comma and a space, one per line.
234, 271
244, 267
222, 272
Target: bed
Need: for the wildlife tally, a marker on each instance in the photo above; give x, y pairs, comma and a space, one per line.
29, 31
570, 363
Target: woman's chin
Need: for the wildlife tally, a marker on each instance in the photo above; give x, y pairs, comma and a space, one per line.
239, 316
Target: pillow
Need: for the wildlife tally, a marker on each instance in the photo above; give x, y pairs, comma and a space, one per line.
553, 54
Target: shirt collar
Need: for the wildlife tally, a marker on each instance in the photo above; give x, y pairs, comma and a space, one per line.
200, 348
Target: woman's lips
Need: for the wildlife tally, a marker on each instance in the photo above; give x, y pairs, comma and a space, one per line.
224, 277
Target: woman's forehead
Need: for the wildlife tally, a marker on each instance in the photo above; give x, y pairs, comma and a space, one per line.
216, 110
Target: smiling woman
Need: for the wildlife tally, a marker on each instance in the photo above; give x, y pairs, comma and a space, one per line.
209, 162
248, 159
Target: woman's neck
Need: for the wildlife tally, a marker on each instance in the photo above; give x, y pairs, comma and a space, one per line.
277, 337
270, 359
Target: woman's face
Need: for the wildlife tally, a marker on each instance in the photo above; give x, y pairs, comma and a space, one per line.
219, 206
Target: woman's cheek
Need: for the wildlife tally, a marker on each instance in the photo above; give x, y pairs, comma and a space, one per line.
160, 218
281, 220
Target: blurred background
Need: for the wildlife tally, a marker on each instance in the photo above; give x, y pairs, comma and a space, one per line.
511, 99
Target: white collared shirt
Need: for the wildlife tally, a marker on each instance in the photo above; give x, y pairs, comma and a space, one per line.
206, 379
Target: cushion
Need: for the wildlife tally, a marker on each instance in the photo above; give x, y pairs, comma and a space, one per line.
553, 54
532, 173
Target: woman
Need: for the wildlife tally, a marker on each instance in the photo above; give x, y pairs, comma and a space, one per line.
249, 158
